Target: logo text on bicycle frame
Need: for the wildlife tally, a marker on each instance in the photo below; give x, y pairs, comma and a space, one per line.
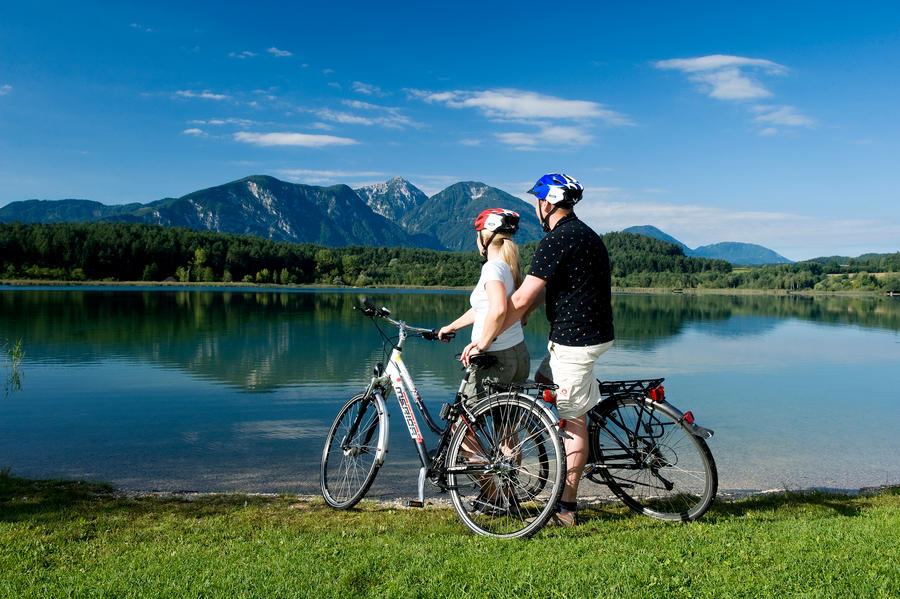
400, 375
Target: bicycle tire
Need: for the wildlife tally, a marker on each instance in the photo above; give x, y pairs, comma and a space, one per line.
349, 465
493, 461
650, 461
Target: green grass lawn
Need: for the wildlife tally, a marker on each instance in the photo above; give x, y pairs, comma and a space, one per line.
71, 539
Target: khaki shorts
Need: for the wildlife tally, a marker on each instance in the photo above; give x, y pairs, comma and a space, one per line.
571, 368
512, 367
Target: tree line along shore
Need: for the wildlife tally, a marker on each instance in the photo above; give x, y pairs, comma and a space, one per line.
128, 252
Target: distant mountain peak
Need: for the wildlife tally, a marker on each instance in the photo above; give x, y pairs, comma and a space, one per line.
651, 231
730, 251
392, 199
744, 254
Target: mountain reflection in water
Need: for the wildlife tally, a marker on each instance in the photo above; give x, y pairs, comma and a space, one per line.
234, 389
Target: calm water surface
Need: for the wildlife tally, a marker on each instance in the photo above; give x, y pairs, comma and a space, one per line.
234, 390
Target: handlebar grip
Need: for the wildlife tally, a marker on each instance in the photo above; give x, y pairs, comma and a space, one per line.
434, 335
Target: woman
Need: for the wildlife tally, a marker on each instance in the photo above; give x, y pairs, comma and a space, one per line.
500, 276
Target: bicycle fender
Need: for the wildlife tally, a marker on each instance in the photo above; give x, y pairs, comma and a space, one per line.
532, 400
676, 414
381, 452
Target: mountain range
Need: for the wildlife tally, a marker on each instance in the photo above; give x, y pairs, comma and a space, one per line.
744, 254
393, 213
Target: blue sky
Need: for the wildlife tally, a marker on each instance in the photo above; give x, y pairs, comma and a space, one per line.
770, 123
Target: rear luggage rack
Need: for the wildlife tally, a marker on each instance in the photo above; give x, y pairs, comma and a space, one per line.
642, 386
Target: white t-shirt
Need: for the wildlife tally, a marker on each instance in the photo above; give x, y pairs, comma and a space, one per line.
494, 270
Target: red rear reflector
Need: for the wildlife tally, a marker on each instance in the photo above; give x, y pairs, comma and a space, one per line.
550, 396
658, 393
689, 416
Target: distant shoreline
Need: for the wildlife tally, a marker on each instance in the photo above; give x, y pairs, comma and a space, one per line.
38, 283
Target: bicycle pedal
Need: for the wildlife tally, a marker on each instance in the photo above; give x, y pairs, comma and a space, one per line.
414, 503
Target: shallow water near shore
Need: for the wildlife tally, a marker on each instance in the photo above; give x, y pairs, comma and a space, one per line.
234, 389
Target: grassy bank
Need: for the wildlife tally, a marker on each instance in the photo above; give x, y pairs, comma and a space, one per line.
62, 539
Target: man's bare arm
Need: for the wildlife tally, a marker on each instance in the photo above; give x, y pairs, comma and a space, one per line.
527, 297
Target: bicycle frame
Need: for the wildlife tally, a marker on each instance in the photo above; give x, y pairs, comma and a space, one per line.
397, 378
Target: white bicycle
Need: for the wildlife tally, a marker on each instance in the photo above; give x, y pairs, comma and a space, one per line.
500, 455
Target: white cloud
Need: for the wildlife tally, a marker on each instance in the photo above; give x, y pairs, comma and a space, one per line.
392, 119
194, 131
794, 236
292, 139
539, 111
141, 28
470, 142
729, 78
546, 136
725, 77
5, 89
521, 141
781, 115
228, 121
205, 94
319, 177
365, 105
343, 117
520, 104
244, 54
367, 89
280, 53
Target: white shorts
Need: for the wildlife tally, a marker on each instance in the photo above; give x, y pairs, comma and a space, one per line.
571, 368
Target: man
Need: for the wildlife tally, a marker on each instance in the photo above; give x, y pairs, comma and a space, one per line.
570, 273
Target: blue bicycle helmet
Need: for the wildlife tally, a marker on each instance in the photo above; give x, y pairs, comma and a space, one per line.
556, 188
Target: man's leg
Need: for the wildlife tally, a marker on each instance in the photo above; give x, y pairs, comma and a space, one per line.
576, 443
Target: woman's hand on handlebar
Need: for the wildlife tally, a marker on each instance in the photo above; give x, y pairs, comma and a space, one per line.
446, 334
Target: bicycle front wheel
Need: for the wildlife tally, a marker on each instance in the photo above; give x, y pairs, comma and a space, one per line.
354, 451
652, 462
506, 466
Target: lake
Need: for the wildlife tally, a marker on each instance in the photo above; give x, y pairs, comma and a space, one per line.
234, 389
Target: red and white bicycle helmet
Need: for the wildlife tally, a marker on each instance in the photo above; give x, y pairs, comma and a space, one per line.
498, 220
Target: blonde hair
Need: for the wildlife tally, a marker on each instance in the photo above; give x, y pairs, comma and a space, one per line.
509, 253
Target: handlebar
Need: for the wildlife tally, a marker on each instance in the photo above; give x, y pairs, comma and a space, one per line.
369, 309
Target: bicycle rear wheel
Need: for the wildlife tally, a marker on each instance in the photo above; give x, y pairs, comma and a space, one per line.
354, 451
506, 467
652, 462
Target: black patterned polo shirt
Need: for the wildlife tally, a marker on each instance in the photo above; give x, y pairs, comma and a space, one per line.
573, 260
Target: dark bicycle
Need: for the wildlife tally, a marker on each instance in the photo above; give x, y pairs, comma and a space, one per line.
651, 455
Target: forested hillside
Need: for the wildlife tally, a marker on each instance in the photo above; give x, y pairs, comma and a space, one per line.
137, 252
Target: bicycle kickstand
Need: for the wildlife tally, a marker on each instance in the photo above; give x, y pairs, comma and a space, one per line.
421, 485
